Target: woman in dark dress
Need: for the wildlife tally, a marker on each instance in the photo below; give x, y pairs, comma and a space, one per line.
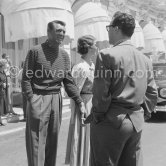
3, 79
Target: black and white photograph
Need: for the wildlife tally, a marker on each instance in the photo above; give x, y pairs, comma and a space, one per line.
82, 82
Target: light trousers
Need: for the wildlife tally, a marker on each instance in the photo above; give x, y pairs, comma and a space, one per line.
44, 114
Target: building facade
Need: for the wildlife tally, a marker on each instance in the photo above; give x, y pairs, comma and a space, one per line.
140, 9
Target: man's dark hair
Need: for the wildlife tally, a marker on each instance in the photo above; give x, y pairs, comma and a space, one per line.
50, 25
3, 55
125, 22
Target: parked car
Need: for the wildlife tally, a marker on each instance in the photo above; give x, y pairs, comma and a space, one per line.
159, 68
160, 78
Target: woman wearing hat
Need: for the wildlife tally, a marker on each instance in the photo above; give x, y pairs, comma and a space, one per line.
78, 145
3, 79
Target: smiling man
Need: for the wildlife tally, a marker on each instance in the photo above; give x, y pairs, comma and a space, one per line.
46, 67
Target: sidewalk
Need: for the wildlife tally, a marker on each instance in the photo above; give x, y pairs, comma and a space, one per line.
14, 123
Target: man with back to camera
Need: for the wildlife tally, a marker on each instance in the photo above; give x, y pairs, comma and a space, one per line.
123, 82
46, 67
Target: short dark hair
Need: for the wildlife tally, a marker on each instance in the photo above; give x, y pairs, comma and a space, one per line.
125, 22
4, 55
84, 43
50, 25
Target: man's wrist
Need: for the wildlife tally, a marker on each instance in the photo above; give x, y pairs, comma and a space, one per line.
29, 96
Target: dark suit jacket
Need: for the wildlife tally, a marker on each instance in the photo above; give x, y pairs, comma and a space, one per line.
123, 81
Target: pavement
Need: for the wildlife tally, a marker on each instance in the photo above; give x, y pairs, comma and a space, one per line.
14, 123
13, 150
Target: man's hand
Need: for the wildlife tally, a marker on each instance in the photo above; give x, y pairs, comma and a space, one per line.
89, 119
147, 116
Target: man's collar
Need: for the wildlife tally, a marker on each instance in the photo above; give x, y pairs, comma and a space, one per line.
123, 42
49, 45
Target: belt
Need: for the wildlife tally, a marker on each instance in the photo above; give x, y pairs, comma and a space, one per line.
45, 92
86, 93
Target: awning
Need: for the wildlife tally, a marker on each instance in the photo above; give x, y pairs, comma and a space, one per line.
151, 32
153, 39
25, 19
91, 19
164, 37
137, 38
164, 34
